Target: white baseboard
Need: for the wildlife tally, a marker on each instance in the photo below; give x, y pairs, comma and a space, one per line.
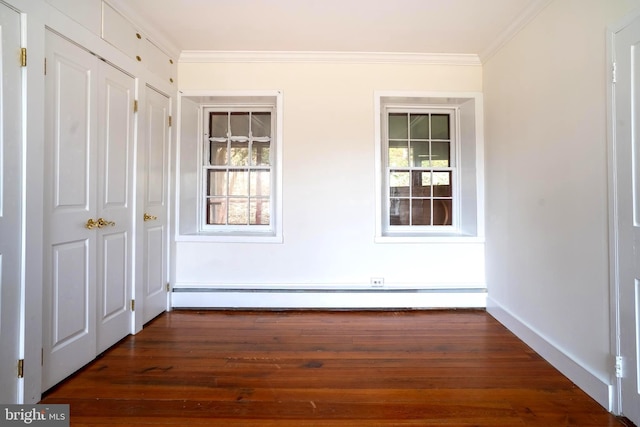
592, 384
274, 298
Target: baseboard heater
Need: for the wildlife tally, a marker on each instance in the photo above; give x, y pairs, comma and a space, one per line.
332, 298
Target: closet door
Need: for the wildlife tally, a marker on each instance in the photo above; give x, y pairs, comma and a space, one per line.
88, 208
154, 176
116, 93
69, 300
11, 185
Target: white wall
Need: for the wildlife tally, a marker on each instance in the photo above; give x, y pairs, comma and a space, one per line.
546, 172
328, 182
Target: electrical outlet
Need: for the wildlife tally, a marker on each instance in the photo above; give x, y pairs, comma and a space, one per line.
377, 282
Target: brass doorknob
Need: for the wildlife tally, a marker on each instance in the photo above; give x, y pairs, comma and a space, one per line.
91, 224
148, 217
104, 223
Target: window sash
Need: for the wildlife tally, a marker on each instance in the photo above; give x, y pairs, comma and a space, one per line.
410, 206
227, 208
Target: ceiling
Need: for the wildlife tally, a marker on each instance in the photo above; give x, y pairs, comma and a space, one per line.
393, 26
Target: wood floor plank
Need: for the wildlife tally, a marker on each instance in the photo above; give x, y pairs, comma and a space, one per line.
310, 368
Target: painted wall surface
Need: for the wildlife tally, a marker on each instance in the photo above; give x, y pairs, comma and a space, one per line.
546, 178
328, 181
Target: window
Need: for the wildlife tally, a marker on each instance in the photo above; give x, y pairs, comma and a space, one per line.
427, 175
237, 170
420, 168
229, 167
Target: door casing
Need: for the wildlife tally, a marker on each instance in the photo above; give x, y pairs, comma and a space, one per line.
614, 203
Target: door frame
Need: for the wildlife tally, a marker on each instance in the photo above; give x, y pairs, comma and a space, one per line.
615, 394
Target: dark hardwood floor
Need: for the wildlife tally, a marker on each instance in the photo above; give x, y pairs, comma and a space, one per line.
312, 368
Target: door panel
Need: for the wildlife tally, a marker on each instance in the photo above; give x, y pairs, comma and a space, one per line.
10, 203
70, 293
116, 92
154, 151
69, 247
627, 149
73, 127
154, 249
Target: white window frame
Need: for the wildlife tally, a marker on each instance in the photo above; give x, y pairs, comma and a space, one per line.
192, 225
411, 229
206, 146
467, 158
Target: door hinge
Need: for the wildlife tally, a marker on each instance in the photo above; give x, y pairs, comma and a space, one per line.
135, 105
23, 57
168, 287
21, 368
170, 121
42, 356
619, 367
45, 66
613, 73
133, 305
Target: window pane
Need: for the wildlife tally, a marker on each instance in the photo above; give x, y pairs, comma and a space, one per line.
240, 124
440, 154
421, 211
239, 153
260, 152
419, 126
421, 184
216, 211
399, 184
398, 153
398, 126
259, 214
442, 212
260, 183
440, 126
218, 125
217, 183
218, 153
260, 125
238, 211
238, 183
442, 184
420, 154
399, 212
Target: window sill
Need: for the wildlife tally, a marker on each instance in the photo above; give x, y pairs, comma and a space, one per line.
428, 238
230, 237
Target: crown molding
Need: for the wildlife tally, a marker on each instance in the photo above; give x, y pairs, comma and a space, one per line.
521, 21
202, 56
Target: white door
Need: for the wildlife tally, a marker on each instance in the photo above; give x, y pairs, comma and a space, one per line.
116, 93
627, 146
11, 184
154, 152
69, 300
88, 214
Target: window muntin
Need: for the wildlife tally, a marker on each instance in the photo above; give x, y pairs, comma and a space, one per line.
238, 169
419, 169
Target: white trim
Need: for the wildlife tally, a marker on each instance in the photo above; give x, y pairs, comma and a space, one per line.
326, 287
329, 298
612, 184
521, 21
205, 56
592, 383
